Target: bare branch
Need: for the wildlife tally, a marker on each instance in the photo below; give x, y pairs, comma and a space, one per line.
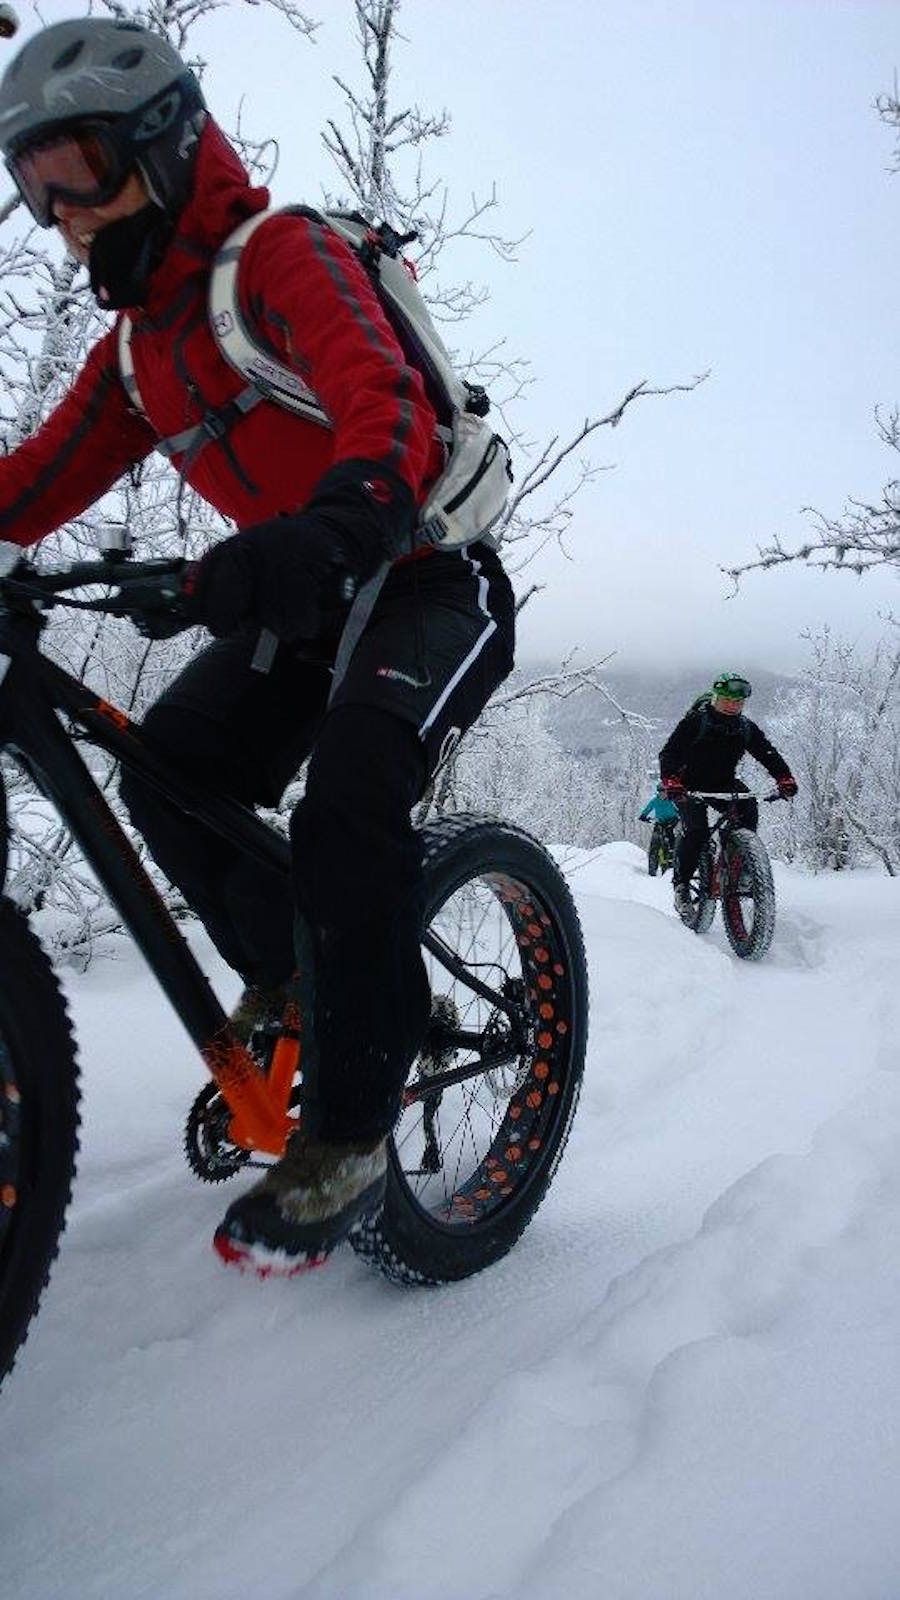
866, 535
554, 454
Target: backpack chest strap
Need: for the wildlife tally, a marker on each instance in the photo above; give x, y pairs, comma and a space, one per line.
215, 423
267, 378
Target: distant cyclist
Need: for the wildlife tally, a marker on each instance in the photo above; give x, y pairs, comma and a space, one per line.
703, 752
659, 808
661, 847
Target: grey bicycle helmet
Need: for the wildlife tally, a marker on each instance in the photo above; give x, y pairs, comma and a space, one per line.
126, 93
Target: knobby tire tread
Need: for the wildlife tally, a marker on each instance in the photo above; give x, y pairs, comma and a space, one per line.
653, 854
403, 1243
752, 945
37, 1044
705, 905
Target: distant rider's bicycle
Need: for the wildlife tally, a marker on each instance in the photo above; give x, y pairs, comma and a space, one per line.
661, 849
734, 869
489, 1101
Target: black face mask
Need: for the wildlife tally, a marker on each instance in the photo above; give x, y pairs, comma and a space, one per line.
125, 254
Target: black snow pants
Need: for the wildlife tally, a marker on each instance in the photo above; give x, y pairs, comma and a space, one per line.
695, 831
438, 643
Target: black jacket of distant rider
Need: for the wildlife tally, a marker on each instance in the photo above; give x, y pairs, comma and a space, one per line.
706, 746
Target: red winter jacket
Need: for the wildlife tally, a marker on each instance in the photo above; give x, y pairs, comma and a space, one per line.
306, 293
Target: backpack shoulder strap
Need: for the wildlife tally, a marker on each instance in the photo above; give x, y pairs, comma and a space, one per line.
742, 729
234, 334
190, 441
268, 378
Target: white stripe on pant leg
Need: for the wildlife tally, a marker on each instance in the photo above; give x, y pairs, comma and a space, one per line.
475, 651
458, 675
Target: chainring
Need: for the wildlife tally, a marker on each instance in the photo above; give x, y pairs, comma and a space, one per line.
209, 1151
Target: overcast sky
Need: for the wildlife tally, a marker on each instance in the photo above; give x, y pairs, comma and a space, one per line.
707, 185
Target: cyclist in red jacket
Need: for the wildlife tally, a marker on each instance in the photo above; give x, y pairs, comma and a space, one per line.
107, 136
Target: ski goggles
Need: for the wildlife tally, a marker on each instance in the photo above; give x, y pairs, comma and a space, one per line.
84, 165
732, 688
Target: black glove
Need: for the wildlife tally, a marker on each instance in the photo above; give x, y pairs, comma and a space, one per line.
289, 573
156, 606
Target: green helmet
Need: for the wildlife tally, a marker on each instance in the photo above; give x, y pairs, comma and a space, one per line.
732, 686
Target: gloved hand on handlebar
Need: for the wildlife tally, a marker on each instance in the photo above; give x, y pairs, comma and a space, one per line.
289, 573
156, 605
787, 786
285, 574
673, 788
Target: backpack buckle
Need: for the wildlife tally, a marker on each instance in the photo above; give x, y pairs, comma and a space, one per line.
478, 403
214, 425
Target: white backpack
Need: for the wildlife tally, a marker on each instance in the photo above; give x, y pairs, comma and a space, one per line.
469, 497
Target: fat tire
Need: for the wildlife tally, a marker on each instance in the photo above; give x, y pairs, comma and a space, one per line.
408, 1243
39, 1099
746, 853
653, 852
703, 905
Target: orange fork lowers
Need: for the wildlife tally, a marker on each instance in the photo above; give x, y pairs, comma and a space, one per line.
259, 1102
285, 1062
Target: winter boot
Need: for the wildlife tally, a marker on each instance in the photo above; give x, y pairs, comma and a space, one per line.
304, 1206
682, 897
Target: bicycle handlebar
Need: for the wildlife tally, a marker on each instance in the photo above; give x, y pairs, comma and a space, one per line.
733, 794
25, 582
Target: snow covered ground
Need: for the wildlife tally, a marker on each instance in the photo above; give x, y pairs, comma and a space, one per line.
682, 1385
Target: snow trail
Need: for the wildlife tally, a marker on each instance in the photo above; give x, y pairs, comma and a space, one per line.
681, 1384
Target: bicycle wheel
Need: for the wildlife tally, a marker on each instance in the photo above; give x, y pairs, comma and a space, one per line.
699, 916
748, 895
656, 852
38, 1125
492, 1095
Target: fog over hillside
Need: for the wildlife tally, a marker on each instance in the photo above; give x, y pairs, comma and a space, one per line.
586, 723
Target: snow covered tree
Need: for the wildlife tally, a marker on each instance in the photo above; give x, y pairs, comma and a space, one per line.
867, 532
513, 764
842, 726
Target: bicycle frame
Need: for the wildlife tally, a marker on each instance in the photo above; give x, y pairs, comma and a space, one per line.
34, 693
720, 830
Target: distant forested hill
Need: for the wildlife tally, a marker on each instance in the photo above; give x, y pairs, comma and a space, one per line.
585, 724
